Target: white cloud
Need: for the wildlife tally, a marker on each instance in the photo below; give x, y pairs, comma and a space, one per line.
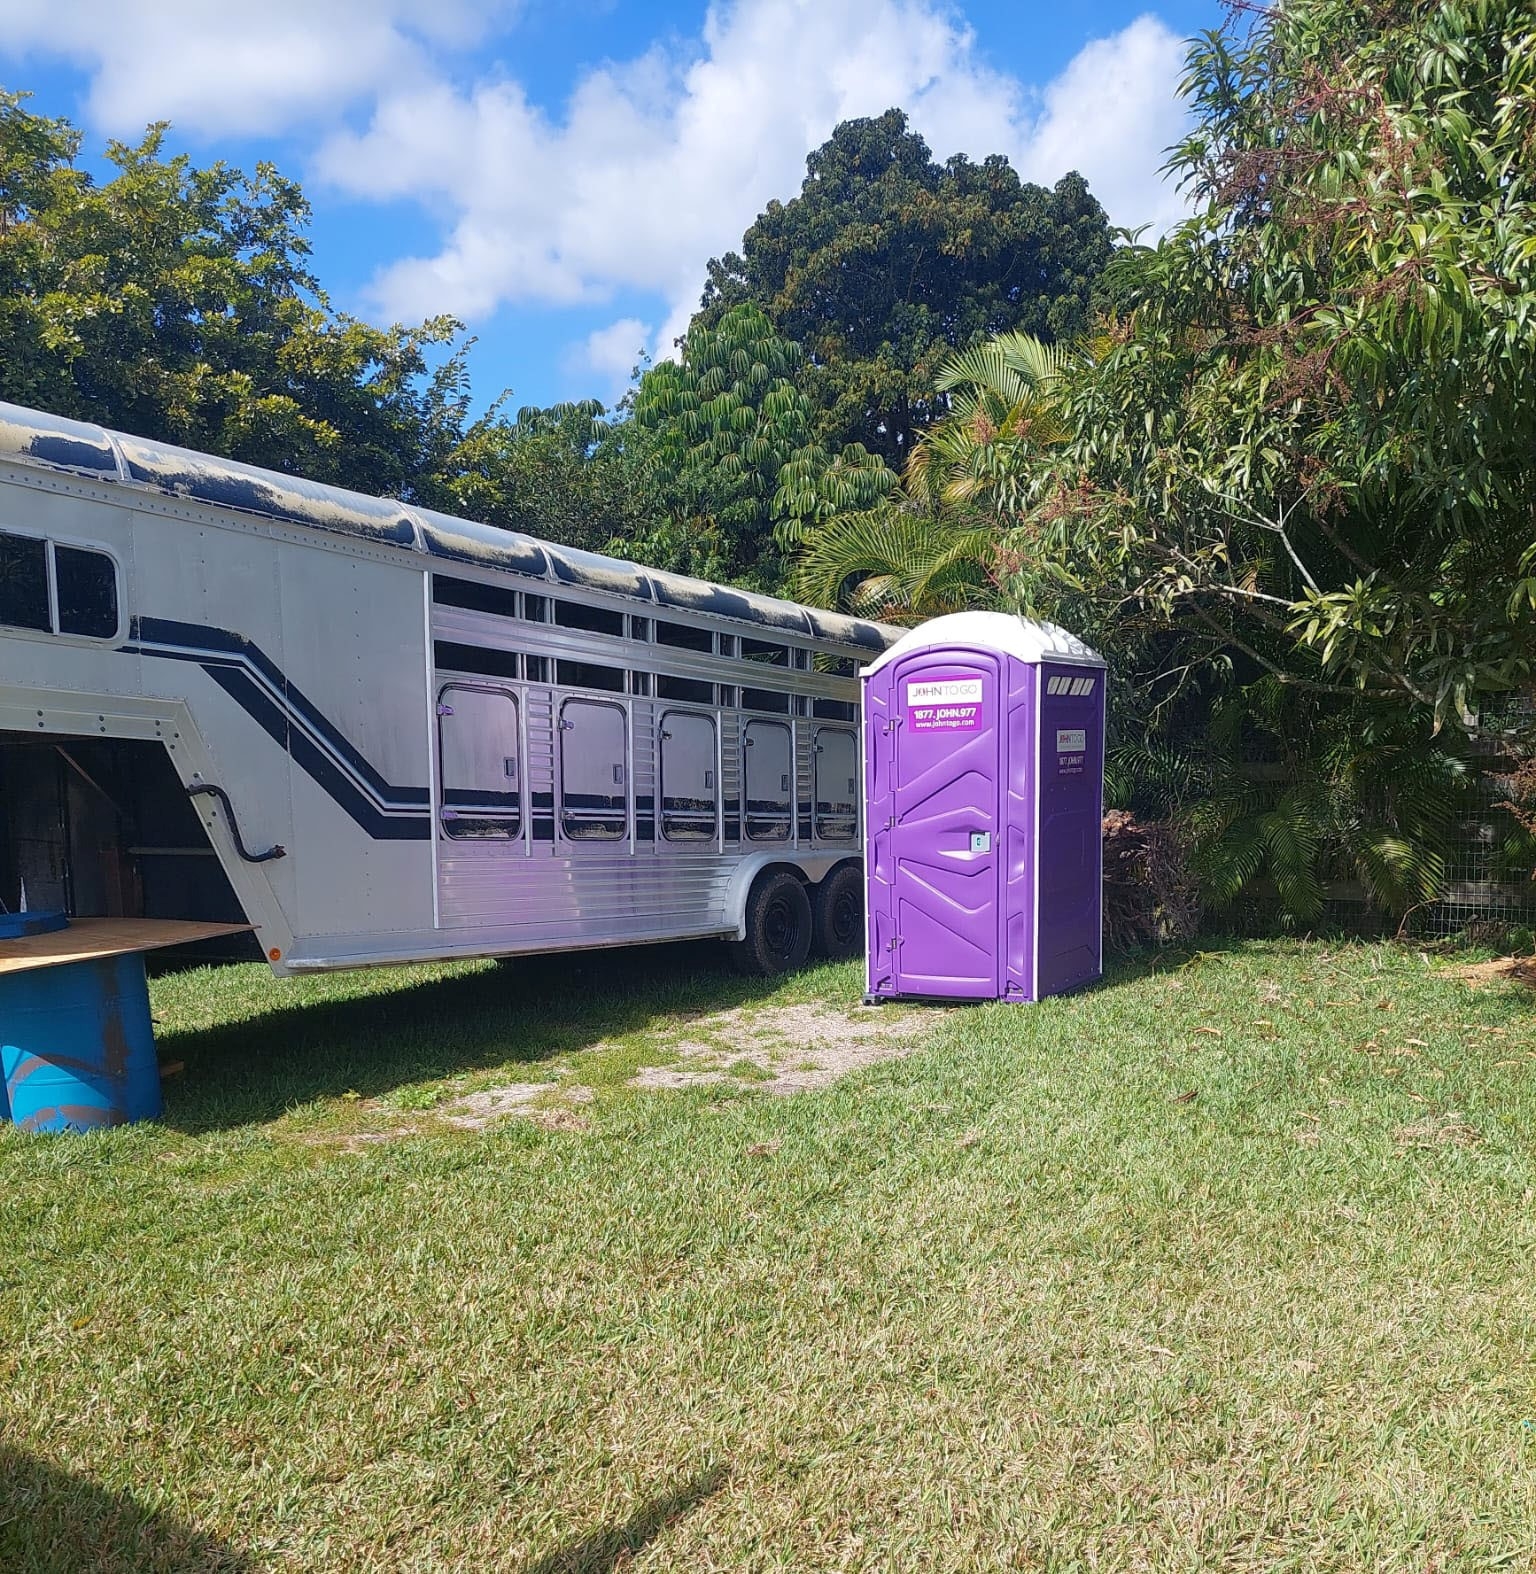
612, 354
661, 162
219, 67
652, 165
1111, 114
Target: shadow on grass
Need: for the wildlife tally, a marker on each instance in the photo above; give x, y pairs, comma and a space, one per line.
285, 1043
284, 1052
52, 1522
604, 1550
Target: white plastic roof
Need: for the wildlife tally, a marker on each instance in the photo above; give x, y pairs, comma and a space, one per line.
991, 631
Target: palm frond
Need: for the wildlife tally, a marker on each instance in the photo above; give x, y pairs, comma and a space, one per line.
1011, 364
898, 564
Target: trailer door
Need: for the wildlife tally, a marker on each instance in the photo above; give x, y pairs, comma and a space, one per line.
690, 798
478, 749
594, 771
769, 753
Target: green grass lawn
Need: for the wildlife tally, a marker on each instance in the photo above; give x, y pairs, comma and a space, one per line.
1226, 1265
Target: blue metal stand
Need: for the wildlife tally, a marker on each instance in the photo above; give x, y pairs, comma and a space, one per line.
77, 1048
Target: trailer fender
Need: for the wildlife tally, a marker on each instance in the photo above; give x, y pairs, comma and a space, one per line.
810, 866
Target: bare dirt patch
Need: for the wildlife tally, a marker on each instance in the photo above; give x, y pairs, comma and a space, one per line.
475, 1111
356, 1141
780, 1050
1501, 970
559, 1119
1438, 1131
790, 1049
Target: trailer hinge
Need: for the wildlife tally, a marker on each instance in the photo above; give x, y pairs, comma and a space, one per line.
208, 789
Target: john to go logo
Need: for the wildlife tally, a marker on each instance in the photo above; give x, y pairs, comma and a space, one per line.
944, 691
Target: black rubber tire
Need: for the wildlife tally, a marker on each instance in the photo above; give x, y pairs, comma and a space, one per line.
837, 908
778, 927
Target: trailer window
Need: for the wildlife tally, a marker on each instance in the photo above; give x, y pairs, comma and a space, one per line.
761, 651
837, 785
87, 587
690, 689
476, 658
765, 699
689, 789
479, 747
684, 636
24, 583
834, 710
473, 596
594, 771
593, 620
768, 770
588, 675
84, 588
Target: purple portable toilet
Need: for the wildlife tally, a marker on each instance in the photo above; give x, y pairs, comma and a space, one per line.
984, 788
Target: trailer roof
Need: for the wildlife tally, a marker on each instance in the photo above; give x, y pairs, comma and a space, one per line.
50, 442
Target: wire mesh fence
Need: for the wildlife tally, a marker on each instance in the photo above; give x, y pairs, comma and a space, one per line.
1488, 871
1489, 882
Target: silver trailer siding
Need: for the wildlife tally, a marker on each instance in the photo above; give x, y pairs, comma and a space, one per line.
464, 741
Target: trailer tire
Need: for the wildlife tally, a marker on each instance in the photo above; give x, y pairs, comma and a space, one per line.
779, 924
837, 905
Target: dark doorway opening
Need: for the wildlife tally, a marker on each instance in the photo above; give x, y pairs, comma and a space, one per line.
102, 827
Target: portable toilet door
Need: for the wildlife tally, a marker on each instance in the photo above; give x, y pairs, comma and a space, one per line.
983, 805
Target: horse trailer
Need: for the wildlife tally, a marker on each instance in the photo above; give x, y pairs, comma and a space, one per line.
381, 734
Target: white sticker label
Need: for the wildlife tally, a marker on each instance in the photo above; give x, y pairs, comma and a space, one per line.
1071, 740
944, 691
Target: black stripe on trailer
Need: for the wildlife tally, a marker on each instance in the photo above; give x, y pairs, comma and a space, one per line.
250, 678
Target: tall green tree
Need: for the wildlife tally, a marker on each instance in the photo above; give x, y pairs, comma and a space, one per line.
1312, 438
1005, 410
731, 442
887, 262
569, 473
178, 303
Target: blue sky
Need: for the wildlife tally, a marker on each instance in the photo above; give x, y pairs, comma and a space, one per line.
558, 174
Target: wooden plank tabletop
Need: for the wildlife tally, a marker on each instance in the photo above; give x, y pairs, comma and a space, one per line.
91, 939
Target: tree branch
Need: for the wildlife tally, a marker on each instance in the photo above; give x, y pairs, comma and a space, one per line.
1290, 679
